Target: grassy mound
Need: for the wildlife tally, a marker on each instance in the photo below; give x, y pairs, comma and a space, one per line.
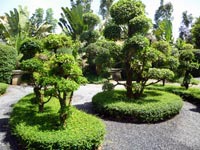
41, 130
154, 106
3, 88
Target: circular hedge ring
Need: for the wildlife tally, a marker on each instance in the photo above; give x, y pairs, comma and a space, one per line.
153, 106
41, 130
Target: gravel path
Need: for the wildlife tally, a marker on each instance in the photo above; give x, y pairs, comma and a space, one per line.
13, 94
180, 133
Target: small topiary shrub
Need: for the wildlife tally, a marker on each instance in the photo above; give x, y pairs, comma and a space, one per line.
3, 88
42, 131
8, 59
152, 107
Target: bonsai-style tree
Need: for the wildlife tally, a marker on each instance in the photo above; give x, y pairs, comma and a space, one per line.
137, 53
187, 63
65, 76
38, 70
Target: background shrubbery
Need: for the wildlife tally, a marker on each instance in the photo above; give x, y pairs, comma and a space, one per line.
8, 58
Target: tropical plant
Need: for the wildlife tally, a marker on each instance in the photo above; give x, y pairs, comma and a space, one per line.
72, 22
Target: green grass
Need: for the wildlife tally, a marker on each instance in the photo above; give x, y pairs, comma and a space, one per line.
3, 88
193, 81
41, 130
191, 95
154, 106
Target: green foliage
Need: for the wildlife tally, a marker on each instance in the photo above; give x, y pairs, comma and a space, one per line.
155, 73
152, 107
41, 130
164, 12
89, 36
164, 31
29, 47
140, 24
55, 41
195, 32
8, 59
71, 21
192, 95
107, 86
103, 55
112, 32
3, 88
125, 10
136, 44
91, 20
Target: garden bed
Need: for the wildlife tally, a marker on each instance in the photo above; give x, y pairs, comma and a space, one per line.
41, 130
153, 106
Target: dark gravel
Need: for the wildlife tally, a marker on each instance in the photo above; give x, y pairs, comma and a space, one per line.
179, 133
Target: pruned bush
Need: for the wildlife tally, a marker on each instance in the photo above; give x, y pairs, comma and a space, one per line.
152, 107
30, 47
8, 59
42, 130
3, 88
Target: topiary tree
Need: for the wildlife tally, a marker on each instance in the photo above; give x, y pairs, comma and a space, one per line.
167, 56
138, 55
187, 64
8, 59
65, 76
37, 67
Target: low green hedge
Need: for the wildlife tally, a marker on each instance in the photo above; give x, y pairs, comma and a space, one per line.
191, 95
154, 106
41, 130
3, 88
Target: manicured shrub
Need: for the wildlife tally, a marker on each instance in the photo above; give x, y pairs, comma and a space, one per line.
42, 130
8, 58
152, 107
3, 88
30, 47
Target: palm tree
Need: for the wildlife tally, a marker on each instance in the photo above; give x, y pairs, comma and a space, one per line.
72, 22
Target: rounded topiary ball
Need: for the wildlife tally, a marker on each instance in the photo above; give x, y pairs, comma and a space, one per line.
125, 10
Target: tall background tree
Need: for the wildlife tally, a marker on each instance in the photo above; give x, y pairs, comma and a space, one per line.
104, 8
184, 30
42, 24
85, 3
163, 22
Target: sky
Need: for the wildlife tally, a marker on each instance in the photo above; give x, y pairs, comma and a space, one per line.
192, 6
